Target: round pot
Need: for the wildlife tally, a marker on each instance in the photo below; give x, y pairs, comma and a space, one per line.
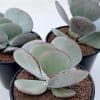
85, 86
89, 53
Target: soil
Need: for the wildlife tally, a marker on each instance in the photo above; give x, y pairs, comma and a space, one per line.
86, 50
6, 57
83, 90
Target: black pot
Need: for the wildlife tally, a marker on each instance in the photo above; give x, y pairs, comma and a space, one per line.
7, 71
12, 85
87, 61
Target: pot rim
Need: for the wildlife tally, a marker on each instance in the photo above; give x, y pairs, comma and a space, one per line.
12, 85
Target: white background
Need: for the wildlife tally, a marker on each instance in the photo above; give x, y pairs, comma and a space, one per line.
45, 17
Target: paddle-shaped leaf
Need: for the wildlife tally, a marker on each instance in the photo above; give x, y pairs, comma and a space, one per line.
39, 48
32, 87
29, 45
22, 39
59, 33
29, 63
4, 20
97, 24
54, 61
62, 13
67, 78
1, 15
11, 29
62, 92
70, 47
92, 40
81, 25
3, 45
86, 8
21, 18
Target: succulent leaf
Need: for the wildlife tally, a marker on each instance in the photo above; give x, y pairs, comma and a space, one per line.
32, 87
62, 92
3, 45
21, 18
70, 47
3, 37
97, 24
67, 78
86, 8
40, 48
92, 40
27, 46
29, 63
4, 20
81, 25
11, 29
1, 15
62, 12
21, 39
59, 33
54, 61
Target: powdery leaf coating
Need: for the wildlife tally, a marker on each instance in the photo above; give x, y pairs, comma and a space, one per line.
21, 18
1, 15
97, 24
3, 45
32, 87
4, 20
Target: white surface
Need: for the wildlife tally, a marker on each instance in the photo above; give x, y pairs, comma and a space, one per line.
45, 17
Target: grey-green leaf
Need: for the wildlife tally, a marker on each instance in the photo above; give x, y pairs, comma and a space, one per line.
32, 87
81, 25
4, 20
21, 18
92, 40
1, 15
70, 47
97, 24
3, 37
11, 29
3, 45
62, 12
54, 61
29, 63
63, 93
67, 78
86, 8
22, 39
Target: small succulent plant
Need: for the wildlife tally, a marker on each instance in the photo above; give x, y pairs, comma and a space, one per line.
85, 22
53, 65
13, 26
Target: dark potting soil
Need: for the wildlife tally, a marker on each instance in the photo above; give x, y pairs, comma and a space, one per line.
83, 90
86, 50
6, 57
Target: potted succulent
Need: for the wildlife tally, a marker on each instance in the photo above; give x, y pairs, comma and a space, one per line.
83, 27
49, 73
15, 30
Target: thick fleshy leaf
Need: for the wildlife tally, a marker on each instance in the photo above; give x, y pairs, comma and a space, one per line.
67, 78
70, 47
59, 33
86, 8
62, 12
10, 49
4, 20
32, 87
40, 48
3, 45
92, 40
62, 92
22, 39
81, 25
3, 37
54, 61
29, 63
97, 24
11, 29
1, 15
30, 44
21, 18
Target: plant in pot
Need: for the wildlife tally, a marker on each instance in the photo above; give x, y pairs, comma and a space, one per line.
49, 73
83, 27
15, 30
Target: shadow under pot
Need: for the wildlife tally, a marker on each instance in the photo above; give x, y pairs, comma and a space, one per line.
89, 53
85, 90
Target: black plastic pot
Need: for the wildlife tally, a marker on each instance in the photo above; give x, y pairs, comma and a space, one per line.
7, 71
87, 61
12, 85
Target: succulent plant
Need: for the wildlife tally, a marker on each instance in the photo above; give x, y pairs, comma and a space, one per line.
85, 22
53, 67
13, 26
